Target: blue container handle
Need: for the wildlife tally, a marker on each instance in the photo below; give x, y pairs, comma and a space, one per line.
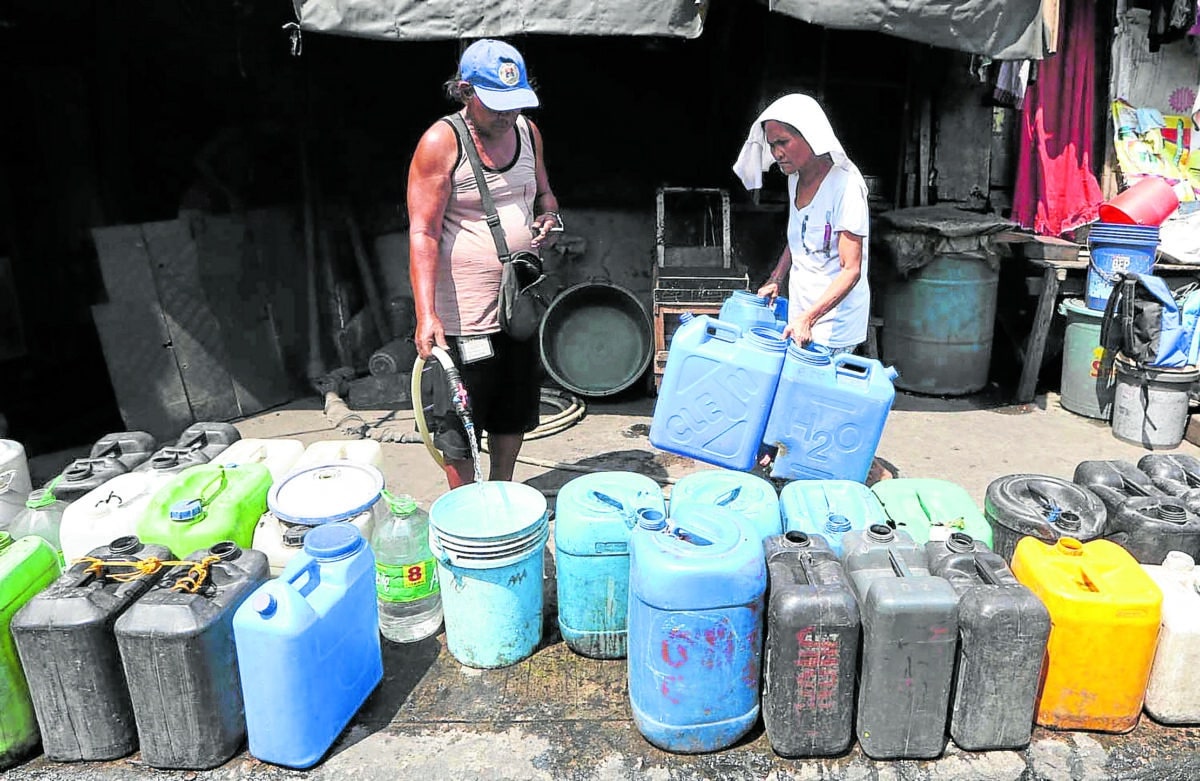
866, 364
611, 502
313, 572
719, 329
728, 497
680, 533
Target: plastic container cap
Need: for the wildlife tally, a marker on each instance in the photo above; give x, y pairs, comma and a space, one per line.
186, 510
40, 498
326, 493
332, 541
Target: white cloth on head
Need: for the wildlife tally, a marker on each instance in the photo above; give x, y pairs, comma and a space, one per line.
801, 112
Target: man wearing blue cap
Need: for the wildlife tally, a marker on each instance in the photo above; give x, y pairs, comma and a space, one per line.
455, 267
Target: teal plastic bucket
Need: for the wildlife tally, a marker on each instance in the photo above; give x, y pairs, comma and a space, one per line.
488, 539
1113, 249
1087, 368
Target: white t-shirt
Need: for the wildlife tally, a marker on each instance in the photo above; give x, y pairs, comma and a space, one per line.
839, 205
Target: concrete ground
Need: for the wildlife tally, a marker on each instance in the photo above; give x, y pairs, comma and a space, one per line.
558, 715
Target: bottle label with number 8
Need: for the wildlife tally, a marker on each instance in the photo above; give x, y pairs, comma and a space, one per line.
406, 582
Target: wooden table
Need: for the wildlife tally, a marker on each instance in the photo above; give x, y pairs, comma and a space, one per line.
1058, 259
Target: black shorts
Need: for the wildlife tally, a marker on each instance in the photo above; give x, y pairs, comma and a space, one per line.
504, 393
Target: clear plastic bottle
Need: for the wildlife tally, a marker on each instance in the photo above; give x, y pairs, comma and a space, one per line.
41, 516
406, 580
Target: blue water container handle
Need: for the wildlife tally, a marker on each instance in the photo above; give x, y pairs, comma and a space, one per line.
726, 332
728, 497
689, 537
611, 502
312, 575
866, 364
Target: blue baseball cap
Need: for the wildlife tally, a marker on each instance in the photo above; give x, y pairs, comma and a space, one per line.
497, 72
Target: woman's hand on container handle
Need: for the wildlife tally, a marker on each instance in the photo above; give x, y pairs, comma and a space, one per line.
798, 330
770, 289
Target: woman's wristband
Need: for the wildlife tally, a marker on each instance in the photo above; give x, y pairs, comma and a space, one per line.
558, 220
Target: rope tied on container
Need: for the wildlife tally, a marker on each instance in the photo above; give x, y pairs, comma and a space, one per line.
195, 577
191, 582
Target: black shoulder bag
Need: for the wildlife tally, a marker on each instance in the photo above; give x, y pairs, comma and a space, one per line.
522, 302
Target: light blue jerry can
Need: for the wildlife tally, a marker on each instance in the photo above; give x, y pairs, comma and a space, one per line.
308, 648
593, 516
829, 508
716, 391
747, 310
750, 496
695, 629
828, 414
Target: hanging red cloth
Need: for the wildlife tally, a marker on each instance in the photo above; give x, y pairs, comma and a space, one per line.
1056, 190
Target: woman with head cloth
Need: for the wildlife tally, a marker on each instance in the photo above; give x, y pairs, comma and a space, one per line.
826, 251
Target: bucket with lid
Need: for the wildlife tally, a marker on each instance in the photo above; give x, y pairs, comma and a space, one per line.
1150, 404
488, 540
314, 496
1113, 249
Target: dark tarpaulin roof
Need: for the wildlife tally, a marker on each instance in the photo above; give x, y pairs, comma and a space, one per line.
1000, 29
428, 20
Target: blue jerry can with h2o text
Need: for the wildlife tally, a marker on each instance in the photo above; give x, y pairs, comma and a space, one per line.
828, 414
716, 392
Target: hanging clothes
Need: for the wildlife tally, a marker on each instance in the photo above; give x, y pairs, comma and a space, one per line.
1056, 190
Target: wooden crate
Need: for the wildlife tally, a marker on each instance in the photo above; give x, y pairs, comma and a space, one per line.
666, 321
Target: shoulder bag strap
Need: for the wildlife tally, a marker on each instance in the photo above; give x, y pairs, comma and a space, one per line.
489, 206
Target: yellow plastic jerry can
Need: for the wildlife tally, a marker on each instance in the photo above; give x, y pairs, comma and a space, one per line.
1104, 614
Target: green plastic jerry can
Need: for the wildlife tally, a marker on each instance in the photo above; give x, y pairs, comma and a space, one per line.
27, 566
207, 504
931, 509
